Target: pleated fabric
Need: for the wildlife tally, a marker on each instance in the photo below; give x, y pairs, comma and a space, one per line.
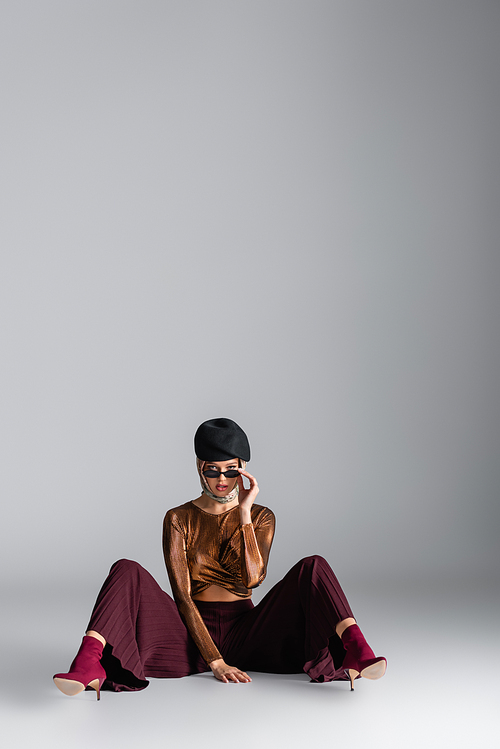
290, 631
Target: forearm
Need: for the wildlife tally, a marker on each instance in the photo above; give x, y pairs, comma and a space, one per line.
253, 568
256, 539
198, 631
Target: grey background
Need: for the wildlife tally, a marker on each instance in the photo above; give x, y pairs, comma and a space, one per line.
281, 212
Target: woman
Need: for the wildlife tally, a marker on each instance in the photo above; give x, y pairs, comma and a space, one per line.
216, 550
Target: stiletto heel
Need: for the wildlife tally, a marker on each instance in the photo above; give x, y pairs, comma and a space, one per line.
85, 671
360, 659
96, 684
352, 674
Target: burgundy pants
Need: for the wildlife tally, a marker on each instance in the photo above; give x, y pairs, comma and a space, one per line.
290, 631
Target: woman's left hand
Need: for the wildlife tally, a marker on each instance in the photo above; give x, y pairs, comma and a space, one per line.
246, 497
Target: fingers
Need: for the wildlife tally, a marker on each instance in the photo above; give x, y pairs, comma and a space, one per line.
252, 479
241, 676
248, 475
234, 676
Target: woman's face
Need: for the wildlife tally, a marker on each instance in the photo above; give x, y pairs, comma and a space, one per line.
221, 486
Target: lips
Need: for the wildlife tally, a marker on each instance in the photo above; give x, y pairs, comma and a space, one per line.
221, 487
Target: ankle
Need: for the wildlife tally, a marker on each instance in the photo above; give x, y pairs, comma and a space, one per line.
344, 624
92, 633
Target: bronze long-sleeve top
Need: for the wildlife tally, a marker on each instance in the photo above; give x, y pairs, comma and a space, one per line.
203, 549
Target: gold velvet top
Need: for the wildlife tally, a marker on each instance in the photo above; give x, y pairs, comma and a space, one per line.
203, 549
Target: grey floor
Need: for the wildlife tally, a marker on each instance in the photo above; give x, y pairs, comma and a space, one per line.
440, 689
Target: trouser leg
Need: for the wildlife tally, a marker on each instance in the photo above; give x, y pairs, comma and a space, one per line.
293, 628
143, 628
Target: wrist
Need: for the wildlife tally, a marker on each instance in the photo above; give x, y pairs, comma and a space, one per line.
245, 516
215, 664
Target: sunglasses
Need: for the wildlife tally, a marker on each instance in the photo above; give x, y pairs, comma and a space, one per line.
215, 474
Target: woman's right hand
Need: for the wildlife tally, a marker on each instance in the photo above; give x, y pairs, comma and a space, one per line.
226, 673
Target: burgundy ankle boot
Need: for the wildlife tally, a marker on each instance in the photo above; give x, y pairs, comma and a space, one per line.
85, 671
360, 658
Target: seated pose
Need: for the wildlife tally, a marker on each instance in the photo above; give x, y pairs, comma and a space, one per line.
216, 550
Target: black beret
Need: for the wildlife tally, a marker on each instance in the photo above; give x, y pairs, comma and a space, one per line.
221, 439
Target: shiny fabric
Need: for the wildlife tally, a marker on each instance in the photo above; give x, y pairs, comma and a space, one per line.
291, 630
203, 549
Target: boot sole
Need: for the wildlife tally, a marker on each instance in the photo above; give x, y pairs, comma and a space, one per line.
376, 671
69, 686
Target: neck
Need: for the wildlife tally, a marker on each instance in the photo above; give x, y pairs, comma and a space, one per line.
214, 507
222, 500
